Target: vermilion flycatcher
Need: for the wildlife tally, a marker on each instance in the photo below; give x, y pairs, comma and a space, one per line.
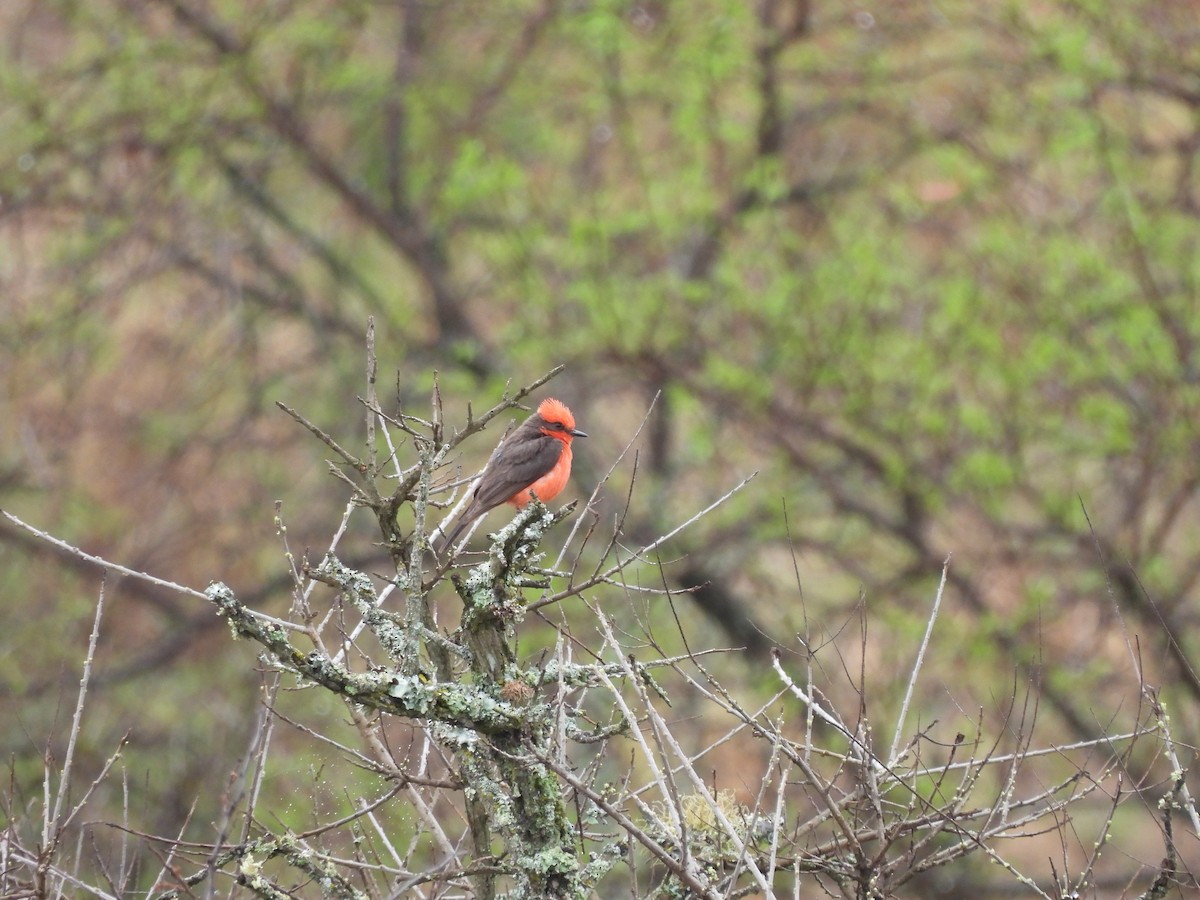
534, 459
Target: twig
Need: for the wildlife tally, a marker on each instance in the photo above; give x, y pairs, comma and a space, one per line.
916, 670
100, 561
333, 445
602, 577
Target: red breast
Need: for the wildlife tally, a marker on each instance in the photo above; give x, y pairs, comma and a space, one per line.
551, 484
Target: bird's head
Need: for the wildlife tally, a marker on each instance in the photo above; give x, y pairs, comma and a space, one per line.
557, 421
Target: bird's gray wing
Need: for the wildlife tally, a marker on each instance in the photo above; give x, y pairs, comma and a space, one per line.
517, 463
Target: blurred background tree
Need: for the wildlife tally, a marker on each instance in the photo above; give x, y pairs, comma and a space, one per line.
932, 270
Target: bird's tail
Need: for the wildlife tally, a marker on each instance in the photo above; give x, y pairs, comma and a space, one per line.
457, 530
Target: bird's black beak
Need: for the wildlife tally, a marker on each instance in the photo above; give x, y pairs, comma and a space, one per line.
575, 432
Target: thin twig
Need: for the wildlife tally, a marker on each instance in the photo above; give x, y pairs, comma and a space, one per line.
916, 670
642, 553
100, 561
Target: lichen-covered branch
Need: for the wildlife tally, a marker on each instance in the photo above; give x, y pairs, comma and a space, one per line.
388, 691
247, 861
482, 712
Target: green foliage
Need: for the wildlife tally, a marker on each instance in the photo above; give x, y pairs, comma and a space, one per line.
939, 286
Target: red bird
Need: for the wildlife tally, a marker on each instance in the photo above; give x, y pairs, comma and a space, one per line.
534, 459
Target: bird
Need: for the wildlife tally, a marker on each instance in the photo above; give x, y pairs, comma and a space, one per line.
533, 460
